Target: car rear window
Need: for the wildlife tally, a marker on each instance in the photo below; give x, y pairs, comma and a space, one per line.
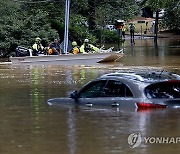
168, 89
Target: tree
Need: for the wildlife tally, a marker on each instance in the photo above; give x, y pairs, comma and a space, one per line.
102, 12
172, 16
91, 13
17, 27
156, 5
108, 11
116, 9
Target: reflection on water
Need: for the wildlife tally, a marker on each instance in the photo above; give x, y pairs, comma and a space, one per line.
29, 125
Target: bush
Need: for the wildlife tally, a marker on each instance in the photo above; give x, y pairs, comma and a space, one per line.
107, 36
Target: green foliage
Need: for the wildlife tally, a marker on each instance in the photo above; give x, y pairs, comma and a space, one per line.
172, 16
106, 35
78, 30
110, 36
158, 4
22, 21
79, 7
17, 27
108, 11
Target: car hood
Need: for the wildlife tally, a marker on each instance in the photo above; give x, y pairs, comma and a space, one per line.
61, 101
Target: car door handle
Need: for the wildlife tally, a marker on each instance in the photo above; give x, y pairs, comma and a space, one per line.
115, 104
89, 104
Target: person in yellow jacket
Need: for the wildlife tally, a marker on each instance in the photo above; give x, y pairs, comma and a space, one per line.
37, 47
123, 31
86, 47
75, 49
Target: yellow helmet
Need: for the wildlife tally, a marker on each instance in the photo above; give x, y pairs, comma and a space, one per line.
74, 43
37, 39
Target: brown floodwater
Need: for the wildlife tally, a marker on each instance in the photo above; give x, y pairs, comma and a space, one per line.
29, 126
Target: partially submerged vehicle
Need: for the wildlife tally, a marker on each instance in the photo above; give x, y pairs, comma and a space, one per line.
140, 90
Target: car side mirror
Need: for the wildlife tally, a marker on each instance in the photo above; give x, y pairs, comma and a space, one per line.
74, 95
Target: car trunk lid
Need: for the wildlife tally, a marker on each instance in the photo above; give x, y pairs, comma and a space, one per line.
161, 95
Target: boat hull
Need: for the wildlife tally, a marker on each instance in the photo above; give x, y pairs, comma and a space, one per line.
69, 58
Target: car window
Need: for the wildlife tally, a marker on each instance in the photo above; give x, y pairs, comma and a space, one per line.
116, 89
93, 89
163, 90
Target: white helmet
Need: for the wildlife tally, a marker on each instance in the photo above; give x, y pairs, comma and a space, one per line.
86, 40
38, 39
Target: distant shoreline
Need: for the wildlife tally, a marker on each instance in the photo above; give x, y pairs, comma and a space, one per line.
160, 35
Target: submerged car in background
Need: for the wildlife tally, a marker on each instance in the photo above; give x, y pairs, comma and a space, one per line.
128, 90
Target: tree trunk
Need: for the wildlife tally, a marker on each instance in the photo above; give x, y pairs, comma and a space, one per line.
91, 13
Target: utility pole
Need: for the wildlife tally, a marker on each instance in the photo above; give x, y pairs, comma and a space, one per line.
156, 27
66, 26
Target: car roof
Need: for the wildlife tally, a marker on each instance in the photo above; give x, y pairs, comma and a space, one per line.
146, 77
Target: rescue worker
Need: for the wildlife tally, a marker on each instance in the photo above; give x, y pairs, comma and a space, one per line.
54, 48
86, 47
37, 47
123, 31
132, 30
75, 49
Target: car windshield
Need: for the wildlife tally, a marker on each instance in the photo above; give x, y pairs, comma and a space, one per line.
93, 89
169, 90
